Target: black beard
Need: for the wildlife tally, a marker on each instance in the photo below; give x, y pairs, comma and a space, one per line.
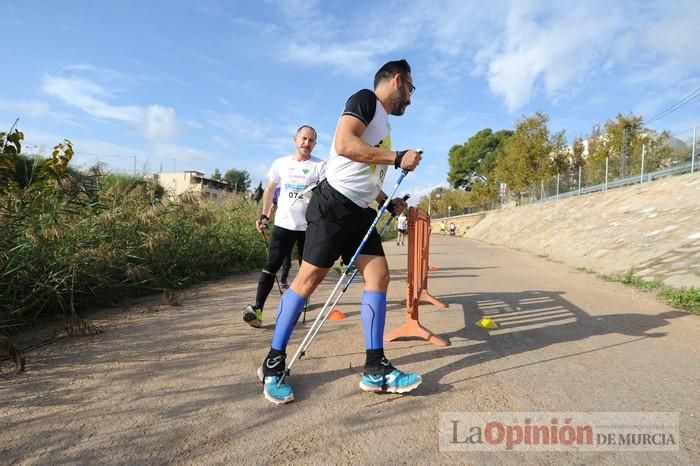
398, 103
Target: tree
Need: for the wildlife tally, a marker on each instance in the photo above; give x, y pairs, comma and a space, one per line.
595, 171
18, 171
239, 179
217, 175
561, 165
485, 193
258, 194
531, 155
10, 148
577, 150
630, 130
578, 161
440, 198
473, 161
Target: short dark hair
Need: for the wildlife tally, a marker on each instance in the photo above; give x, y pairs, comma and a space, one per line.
389, 69
307, 126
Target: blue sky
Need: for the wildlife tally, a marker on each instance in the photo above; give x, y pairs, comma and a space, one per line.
202, 84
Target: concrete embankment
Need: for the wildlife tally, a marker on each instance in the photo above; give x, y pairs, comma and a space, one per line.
652, 229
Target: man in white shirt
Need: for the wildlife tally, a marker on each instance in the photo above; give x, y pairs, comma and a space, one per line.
401, 227
339, 217
293, 174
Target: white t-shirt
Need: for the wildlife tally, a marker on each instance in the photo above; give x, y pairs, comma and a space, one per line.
401, 222
293, 176
362, 182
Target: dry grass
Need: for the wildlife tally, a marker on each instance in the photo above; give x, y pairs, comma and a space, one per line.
67, 246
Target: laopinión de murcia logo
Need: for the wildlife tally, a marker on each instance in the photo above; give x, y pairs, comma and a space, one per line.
574, 431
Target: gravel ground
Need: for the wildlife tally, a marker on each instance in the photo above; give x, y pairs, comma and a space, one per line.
177, 385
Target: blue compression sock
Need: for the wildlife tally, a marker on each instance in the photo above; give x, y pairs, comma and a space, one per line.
373, 312
288, 313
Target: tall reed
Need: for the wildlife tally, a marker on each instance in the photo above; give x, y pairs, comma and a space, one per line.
69, 240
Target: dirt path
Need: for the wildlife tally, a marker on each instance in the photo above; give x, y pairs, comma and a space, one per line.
176, 384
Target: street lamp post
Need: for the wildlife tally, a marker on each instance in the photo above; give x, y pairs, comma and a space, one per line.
430, 201
449, 208
437, 196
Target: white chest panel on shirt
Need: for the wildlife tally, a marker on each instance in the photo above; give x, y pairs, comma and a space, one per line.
293, 177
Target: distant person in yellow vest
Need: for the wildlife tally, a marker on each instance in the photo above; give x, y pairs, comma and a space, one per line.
443, 227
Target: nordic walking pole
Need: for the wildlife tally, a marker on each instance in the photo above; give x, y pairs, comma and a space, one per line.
267, 248
323, 314
347, 284
354, 272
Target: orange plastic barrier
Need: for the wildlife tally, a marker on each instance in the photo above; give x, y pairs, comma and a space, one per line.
417, 289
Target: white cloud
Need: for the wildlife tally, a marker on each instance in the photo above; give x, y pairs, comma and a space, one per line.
455, 26
251, 139
529, 48
89, 151
675, 34
160, 123
421, 191
316, 39
241, 125
667, 46
87, 96
31, 108
123, 159
554, 46
103, 74
154, 122
354, 58
305, 19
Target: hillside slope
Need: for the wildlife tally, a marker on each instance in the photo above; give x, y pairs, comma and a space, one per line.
652, 229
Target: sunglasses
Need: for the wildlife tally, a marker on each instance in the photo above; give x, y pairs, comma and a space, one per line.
412, 88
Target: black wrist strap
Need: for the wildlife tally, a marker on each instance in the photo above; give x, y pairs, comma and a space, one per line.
399, 158
263, 217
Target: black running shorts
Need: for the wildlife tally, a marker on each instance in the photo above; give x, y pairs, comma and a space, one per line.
336, 227
281, 245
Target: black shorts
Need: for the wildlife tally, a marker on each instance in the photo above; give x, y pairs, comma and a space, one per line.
281, 245
336, 227
402, 230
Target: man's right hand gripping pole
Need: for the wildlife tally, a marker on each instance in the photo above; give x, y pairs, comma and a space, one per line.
408, 160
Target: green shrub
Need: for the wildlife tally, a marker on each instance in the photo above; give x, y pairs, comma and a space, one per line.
687, 299
68, 241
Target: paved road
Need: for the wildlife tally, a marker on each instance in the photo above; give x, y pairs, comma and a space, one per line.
177, 385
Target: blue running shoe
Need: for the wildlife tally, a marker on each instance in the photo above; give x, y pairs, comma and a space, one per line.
393, 382
278, 395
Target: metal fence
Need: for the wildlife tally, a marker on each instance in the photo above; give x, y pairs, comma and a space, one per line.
617, 183
580, 181
467, 210
574, 184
